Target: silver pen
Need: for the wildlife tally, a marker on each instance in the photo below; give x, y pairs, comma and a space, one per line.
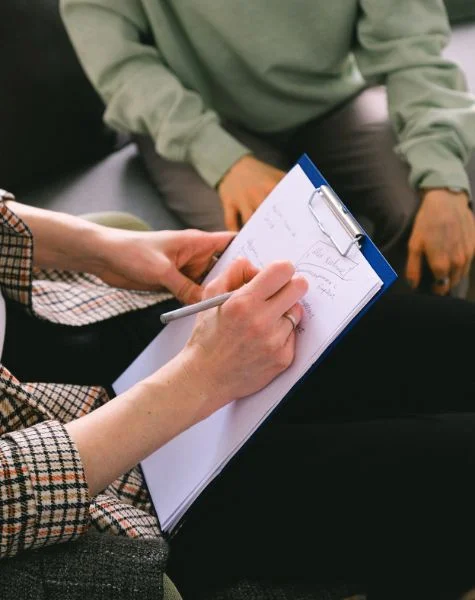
192, 309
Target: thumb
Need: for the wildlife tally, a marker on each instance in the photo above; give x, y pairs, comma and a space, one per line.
220, 240
183, 288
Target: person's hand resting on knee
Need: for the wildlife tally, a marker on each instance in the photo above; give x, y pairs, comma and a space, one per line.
244, 187
443, 234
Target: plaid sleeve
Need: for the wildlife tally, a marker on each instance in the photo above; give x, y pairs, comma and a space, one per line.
44, 497
16, 254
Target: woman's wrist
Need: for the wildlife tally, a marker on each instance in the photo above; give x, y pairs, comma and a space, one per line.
82, 247
63, 241
196, 394
139, 421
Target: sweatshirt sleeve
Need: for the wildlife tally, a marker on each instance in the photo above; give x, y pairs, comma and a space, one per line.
400, 44
44, 497
140, 93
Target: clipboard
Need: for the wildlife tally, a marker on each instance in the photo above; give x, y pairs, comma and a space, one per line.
325, 193
226, 443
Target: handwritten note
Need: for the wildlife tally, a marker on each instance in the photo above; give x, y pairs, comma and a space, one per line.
339, 286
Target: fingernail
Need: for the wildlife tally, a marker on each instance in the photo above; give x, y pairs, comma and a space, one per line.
411, 283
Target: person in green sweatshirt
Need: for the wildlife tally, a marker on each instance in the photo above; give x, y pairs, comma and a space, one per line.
223, 97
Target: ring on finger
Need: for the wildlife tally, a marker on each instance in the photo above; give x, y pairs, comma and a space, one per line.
442, 281
290, 317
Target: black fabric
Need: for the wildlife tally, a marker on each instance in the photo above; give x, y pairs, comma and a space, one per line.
259, 590
363, 474
96, 567
37, 350
50, 116
460, 11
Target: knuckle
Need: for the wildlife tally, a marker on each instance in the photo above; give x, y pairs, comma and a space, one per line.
257, 329
440, 265
241, 263
211, 289
238, 307
284, 359
459, 261
283, 267
300, 286
185, 291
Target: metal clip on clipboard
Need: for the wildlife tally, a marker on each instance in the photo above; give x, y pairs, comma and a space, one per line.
348, 222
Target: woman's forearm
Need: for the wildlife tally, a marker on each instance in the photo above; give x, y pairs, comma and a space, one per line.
63, 241
114, 438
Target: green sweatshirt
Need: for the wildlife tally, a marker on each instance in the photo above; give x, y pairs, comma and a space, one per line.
175, 68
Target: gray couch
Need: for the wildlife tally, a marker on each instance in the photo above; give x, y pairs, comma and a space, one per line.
56, 153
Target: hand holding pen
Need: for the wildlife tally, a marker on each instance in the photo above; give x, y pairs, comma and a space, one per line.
258, 319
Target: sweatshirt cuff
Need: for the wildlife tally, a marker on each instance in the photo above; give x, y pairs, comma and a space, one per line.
435, 166
213, 151
51, 495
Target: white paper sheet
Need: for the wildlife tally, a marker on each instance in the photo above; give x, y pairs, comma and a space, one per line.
282, 228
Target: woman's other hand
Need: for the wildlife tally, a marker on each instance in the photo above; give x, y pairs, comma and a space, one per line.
175, 260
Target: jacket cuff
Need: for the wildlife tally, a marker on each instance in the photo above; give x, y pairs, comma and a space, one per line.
45, 497
213, 151
4, 195
16, 254
435, 166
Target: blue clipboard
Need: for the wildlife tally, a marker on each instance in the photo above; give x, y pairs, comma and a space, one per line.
374, 257
367, 247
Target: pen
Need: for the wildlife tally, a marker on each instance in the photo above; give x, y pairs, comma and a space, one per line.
192, 309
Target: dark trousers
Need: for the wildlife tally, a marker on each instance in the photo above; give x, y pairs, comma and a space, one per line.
363, 474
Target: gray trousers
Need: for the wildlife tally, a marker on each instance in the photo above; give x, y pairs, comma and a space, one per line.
352, 147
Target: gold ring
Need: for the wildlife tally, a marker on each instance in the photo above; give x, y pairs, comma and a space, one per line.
292, 319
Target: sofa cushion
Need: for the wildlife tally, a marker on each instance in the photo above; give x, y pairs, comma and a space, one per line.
461, 50
116, 183
50, 116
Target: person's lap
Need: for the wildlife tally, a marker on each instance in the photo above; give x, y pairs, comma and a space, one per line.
90, 355
353, 465
361, 471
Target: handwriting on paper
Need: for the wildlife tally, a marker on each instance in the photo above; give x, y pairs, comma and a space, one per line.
323, 256
274, 219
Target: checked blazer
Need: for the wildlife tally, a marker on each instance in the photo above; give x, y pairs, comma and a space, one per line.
44, 496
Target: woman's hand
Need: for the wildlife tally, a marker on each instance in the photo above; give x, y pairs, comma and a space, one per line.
175, 260
238, 348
